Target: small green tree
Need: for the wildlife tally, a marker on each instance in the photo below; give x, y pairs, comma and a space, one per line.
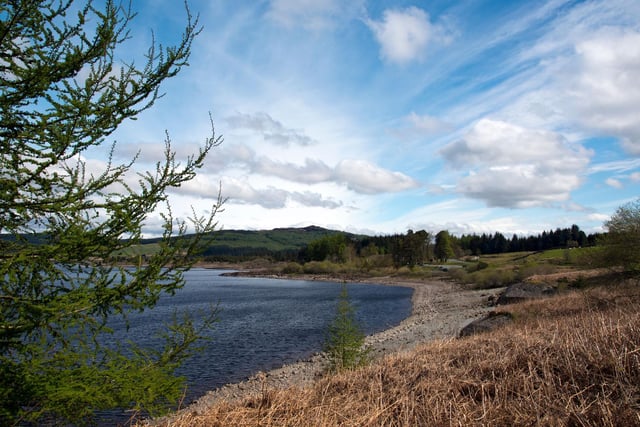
443, 250
621, 243
345, 342
62, 92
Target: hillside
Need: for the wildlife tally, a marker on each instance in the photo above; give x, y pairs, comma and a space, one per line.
276, 240
233, 244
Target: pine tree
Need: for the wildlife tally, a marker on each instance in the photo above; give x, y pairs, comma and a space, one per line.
345, 343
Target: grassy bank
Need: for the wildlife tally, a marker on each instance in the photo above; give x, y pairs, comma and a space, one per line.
570, 360
488, 271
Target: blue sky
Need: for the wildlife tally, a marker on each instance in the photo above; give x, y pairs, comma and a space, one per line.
383, 116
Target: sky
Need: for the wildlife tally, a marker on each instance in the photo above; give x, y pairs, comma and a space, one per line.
378, 117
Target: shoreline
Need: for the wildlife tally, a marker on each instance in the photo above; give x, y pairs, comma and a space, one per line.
439, 311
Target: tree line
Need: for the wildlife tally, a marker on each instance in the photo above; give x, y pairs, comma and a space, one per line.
418, 247
571, 237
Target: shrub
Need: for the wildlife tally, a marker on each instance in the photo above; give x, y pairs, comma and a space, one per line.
292, 268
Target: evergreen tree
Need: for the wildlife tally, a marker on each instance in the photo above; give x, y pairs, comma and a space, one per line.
61, 93
344, 345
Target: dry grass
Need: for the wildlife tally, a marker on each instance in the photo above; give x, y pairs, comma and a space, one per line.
573, 360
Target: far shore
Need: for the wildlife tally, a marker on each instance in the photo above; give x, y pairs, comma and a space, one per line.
440, 309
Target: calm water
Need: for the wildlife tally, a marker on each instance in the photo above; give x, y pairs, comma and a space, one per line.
264, 323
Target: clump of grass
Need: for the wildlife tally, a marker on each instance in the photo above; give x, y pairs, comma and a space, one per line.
569, 360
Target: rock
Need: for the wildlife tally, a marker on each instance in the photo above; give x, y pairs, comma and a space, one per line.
524, 291
488, 323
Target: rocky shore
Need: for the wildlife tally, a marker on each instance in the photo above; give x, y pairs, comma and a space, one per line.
440, 310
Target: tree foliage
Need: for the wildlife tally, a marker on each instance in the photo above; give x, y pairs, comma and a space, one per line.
622, 240
61, 93
411, 249
497, 243
332, 247
443, 249
344, 345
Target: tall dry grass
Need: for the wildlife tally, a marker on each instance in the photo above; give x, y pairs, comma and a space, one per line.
573, 360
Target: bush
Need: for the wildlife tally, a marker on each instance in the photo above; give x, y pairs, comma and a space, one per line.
292, 268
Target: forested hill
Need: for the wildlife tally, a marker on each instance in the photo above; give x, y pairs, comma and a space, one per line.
279, 243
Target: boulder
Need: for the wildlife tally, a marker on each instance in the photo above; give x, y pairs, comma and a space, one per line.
524, 291
488, 323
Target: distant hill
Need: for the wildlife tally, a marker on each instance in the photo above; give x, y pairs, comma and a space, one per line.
279, 243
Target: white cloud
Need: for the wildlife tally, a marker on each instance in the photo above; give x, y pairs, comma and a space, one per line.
308, 198
635, 177
514, 167
404, 35
201, 186
366, 178
357, 175
239, 191
270, 129
427, 125
598, 217
312, 172
606, 90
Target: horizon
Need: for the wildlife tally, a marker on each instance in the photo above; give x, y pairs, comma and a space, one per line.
431, 232
377, 117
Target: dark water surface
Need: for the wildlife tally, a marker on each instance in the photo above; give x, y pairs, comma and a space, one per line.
264, 323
